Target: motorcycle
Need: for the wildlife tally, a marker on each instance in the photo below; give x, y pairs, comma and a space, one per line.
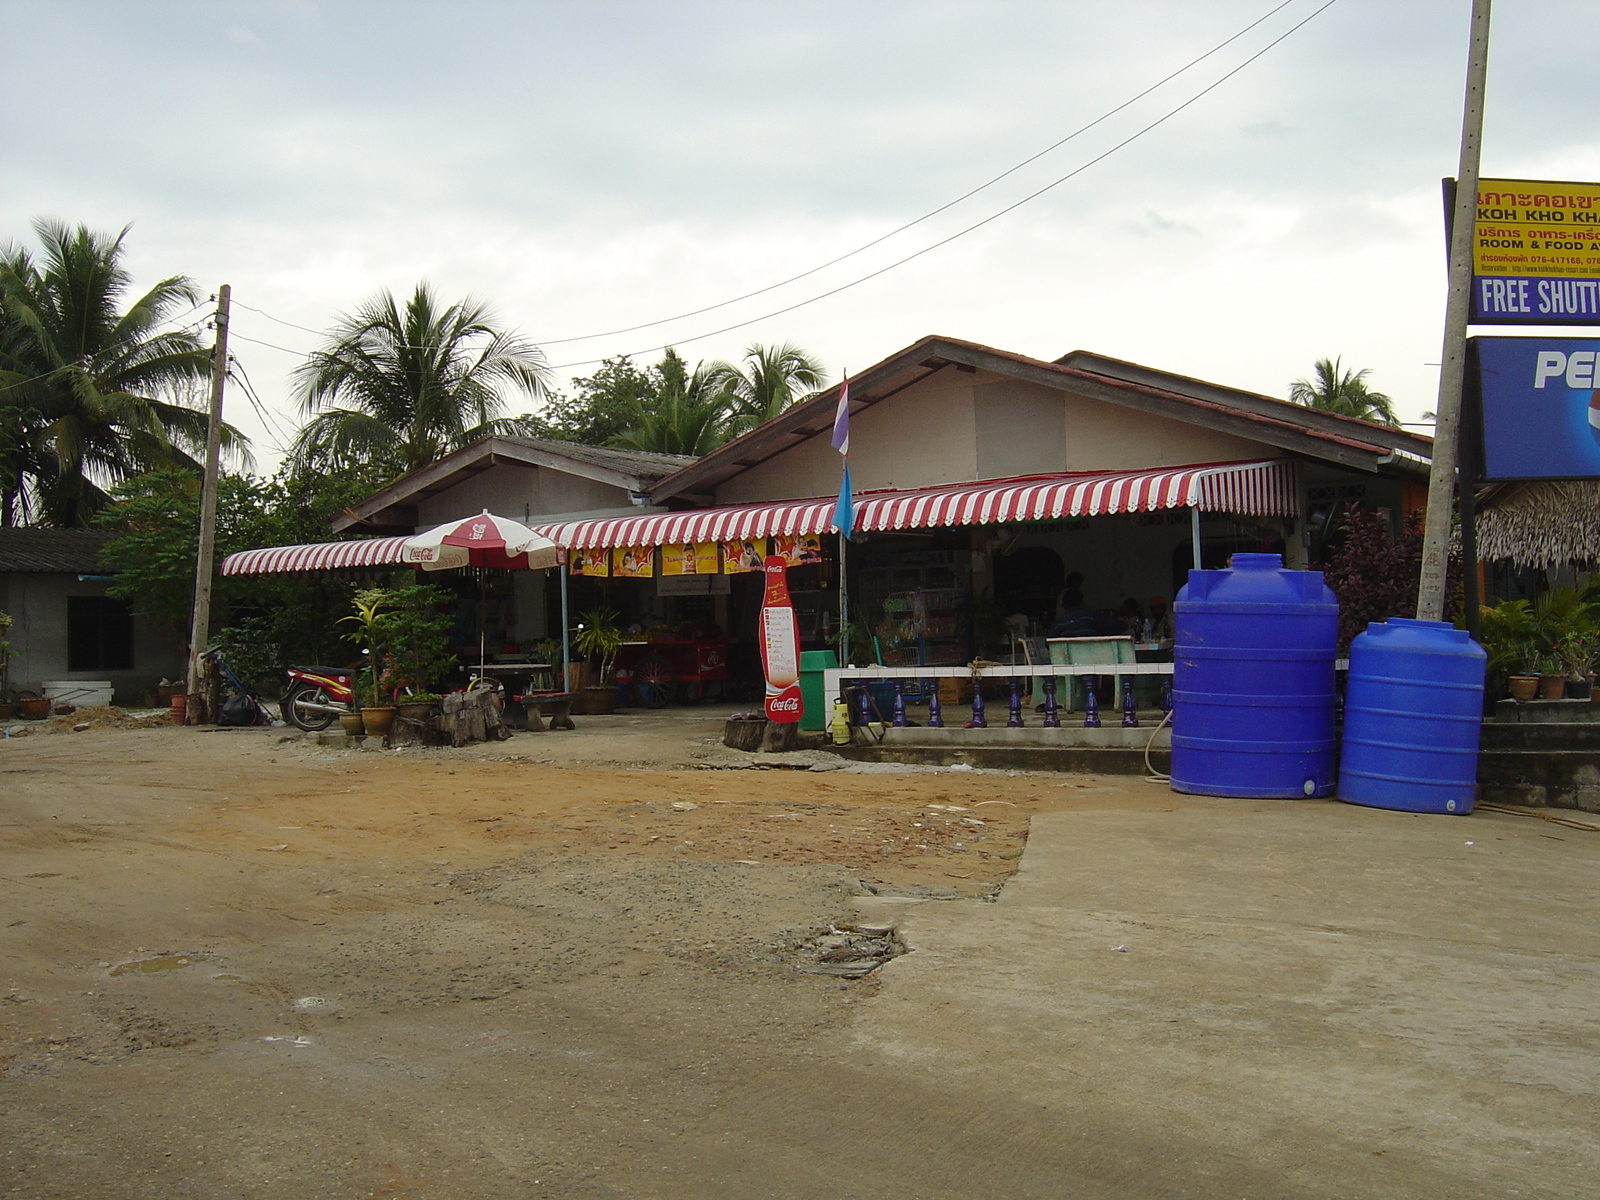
317, 695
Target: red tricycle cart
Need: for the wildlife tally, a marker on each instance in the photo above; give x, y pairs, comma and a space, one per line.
677, 671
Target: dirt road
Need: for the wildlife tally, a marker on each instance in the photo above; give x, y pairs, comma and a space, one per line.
235, 967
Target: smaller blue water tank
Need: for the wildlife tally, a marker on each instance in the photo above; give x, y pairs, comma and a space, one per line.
1413, 710
1253, 681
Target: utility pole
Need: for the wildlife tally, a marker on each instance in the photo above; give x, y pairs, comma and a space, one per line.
1452, 371
200, 626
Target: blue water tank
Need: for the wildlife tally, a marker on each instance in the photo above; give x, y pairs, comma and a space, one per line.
1413, 709
1253, 692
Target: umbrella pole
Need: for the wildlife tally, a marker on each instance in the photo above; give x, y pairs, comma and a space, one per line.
483, 579
566, 654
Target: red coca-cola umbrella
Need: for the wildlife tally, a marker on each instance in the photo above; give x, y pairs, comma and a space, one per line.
485, 540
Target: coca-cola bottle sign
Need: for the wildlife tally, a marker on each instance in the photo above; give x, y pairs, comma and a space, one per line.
780, 644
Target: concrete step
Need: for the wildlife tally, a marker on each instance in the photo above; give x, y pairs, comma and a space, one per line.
1016, 757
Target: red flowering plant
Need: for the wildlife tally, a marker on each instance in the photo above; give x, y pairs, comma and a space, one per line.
1375, 573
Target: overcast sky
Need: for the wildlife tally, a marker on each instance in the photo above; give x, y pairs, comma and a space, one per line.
585, 167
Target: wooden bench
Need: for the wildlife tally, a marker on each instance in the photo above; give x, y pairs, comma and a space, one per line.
525, 708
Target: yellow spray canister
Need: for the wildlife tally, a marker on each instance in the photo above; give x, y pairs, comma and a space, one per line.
839, 726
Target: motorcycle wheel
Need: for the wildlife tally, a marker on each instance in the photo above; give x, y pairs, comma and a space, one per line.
308, 719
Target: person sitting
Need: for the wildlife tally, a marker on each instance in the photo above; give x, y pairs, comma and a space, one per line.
1076, 620
1132, 619
1158, 628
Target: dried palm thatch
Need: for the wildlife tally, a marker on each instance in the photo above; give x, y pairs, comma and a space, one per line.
1545, 524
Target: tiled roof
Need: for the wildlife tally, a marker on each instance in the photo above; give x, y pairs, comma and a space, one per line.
75, 551
637, 462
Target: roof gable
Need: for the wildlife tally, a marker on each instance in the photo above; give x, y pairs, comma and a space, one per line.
1345, 441
633, 471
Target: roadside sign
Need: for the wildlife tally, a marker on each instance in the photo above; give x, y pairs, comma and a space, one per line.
1536, 253
1540, 407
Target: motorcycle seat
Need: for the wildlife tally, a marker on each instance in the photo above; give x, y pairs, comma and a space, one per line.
339, 672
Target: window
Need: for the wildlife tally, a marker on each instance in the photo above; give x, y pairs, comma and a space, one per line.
99, 634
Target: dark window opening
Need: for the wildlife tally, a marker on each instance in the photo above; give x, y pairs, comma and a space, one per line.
99, 634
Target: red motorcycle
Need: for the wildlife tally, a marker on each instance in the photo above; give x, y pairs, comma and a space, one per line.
317, 695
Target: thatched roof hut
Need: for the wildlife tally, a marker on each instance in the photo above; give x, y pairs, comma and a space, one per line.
1540, 524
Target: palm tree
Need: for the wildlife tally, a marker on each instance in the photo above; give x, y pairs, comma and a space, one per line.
400, 387
1343, 392
90, 395
687, 415
769, 381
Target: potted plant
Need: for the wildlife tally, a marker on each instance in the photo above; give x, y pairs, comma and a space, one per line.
598, 639
1510, 636
418, 706
372, 617
1579, 652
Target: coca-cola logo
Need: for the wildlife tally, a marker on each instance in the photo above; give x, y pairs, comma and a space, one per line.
784, 704
478, 530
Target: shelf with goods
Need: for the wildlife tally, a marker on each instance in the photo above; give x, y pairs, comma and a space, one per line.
916, 608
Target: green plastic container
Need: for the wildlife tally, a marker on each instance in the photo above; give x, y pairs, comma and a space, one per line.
814, 706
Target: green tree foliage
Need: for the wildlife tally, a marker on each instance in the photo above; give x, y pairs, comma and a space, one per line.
604, 407
1337, 390
668, 408
91, 394
769, 380
689, 413
266, 620
397, 387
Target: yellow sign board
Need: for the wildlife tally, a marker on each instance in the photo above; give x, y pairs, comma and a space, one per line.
1536, 253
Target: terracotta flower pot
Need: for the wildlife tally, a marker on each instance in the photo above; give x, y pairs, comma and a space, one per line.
418, 712
1523, 687
8, 710
177, 708
1552, 687
34, 710
378, 720
595, 701
352, 724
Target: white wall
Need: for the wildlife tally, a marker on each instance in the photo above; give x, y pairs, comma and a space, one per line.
960, 426
37, 605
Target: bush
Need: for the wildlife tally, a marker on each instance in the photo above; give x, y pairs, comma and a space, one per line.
1375, 574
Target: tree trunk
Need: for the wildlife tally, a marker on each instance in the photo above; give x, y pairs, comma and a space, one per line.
744, 733
780, 737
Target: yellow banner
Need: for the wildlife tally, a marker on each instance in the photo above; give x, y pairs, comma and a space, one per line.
1535, 228
743, 555
633, 562
689, 558
591, 562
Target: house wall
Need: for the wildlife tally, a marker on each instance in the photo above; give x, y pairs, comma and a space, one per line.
521, 493
960, 426
37, 604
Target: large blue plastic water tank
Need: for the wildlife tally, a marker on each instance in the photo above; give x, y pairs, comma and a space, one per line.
1253, 692
1413, 709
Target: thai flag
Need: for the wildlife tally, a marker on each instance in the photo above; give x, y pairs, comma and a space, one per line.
844, 512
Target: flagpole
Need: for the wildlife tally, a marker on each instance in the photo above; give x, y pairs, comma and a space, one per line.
844, 605
844, 515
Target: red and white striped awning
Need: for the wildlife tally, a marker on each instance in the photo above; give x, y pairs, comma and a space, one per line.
319, 556
1258, 489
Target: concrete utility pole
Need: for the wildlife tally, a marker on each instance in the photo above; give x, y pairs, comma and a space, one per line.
1452, 371
200, 626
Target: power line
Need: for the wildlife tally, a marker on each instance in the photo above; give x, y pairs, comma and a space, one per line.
281, 321
268, 345
967, 195
1167, 116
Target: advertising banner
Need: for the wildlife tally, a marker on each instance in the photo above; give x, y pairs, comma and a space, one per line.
591, 562
797, 550
741, 555
633, 562
689, 558
1536, 253
780, 644
1541, 410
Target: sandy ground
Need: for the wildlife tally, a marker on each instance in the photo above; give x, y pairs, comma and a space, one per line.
597, 965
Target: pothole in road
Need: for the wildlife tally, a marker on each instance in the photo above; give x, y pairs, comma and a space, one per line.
850, 952
149, 966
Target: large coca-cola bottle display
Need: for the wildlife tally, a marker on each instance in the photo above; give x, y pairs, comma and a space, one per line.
780, 644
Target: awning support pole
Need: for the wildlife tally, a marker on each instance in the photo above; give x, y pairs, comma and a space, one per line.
1194, 534
566, 664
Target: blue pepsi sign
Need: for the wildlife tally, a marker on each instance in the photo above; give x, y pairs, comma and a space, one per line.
1540, 407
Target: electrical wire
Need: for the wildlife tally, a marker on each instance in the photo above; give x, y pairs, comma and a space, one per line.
269, 345
279, 320
1161, 120
967, 195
